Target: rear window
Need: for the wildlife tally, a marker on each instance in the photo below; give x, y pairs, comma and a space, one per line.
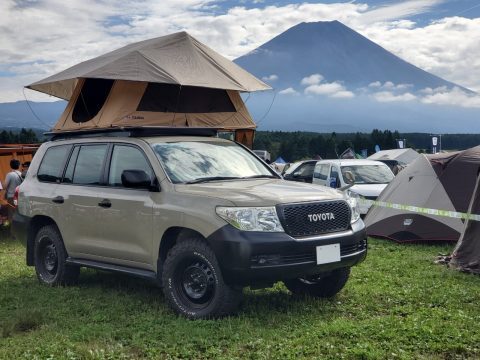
52, 164
89, 165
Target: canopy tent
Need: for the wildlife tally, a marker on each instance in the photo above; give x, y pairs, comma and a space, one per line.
441, 182
170, 81
405, 156
466, 255
279, 160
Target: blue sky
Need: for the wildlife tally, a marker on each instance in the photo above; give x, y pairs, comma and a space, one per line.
42, 37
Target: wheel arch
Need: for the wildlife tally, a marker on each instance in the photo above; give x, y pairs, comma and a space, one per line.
170, 238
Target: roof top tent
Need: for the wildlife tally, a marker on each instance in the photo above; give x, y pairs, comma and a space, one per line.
170, 81
441, 182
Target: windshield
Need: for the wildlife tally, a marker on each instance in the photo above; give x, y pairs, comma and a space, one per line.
292, 167
199, 161
369, 174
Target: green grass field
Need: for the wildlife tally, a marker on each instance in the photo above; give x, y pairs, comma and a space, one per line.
397, 304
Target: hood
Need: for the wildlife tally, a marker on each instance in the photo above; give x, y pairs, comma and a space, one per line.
261, 192
368, 189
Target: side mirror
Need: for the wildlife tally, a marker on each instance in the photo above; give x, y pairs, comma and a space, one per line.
349, 177
137, 179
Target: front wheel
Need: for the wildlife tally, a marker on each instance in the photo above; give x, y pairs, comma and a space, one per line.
50, 256
324, 286
193, 284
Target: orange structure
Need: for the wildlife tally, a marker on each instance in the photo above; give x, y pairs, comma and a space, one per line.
22, 152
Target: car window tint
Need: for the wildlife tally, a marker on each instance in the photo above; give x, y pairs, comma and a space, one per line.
52, 164
68, 177
88, 169
126, 158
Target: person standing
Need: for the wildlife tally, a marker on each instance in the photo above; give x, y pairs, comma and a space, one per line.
12, 180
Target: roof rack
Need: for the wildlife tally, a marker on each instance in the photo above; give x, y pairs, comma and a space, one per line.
133, 132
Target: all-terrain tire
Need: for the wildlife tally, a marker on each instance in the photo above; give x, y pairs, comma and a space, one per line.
319, 286
193, 283
50, 256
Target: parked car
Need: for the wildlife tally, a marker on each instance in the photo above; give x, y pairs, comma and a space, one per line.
201, 216
301, 171
369, 177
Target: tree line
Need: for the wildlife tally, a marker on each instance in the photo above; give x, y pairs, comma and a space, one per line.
292, 146
24, 136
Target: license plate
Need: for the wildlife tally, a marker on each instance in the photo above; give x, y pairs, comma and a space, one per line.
328, 254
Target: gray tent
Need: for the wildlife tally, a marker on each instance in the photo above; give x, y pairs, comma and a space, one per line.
405, 156
440, 182
466, 255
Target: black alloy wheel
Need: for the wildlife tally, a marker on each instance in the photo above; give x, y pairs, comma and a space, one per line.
50, 256
193, 283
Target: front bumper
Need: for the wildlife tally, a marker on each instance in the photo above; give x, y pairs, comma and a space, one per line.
249, 258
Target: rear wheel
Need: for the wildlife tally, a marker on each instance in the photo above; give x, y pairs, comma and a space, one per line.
323, 286
193, 282
50, 256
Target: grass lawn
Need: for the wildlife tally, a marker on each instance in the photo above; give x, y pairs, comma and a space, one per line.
397, 304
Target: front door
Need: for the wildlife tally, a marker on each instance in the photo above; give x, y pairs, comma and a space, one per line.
127, 214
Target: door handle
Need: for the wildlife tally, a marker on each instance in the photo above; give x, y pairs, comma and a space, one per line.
105, 203
58, 200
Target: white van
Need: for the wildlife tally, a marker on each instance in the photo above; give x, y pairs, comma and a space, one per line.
370, 177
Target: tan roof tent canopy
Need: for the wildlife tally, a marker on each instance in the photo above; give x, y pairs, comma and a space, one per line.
173, 80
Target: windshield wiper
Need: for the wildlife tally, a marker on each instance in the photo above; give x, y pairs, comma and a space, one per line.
260, 177
210, 178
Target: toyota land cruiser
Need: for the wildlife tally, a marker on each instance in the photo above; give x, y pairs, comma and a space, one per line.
200, 215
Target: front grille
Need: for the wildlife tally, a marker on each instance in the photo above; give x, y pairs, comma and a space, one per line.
371, 197
296, 221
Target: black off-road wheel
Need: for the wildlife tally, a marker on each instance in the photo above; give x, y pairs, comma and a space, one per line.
50, 256
193, 284
323, 286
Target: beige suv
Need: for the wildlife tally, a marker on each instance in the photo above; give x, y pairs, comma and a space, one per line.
200, 215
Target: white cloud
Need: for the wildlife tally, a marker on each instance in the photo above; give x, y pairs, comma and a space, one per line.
313, 79
272, 77
288, 91
334, 90
53, 34
447, 47
453, 97
388, 96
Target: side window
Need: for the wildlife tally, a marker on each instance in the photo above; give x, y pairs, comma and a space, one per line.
126, 158
51, 168
321, 171
89, 165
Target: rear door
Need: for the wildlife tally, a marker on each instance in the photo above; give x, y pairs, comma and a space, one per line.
80, 193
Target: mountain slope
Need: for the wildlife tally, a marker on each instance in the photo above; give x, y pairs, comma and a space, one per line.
336, 52
18, 114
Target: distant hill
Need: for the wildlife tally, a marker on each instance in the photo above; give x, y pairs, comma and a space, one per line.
336, 52
18, 114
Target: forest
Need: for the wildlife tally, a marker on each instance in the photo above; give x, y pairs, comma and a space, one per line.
19, 136
292, 146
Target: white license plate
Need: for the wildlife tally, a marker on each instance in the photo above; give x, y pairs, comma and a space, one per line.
328, 254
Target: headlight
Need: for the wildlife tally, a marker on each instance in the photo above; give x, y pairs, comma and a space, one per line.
251, 218
352, 199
